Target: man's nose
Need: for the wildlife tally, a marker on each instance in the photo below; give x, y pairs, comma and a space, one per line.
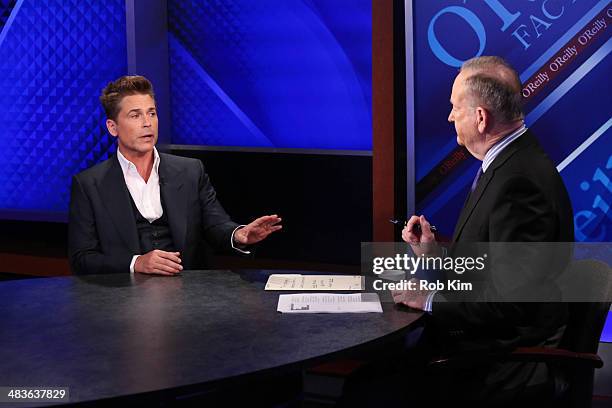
147, 121
450, 117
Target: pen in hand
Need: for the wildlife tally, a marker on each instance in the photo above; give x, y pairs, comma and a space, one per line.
416, 228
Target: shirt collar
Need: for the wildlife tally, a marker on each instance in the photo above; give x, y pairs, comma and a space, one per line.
497, 148
127, 165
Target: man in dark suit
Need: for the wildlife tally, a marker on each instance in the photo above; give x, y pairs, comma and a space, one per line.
143, 211
517, 196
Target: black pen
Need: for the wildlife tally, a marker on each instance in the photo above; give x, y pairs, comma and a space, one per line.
416, 228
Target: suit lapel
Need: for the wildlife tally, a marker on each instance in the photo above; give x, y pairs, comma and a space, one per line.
471, 202
523, 141
116, 199
175, 200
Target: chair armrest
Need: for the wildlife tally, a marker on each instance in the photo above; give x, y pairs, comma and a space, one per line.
524, 354
556, 355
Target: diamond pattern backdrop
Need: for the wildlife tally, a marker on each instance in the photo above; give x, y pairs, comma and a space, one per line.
55, 58
282, 73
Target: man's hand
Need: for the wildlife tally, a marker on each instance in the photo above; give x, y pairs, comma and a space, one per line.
159, 262
423, 243
415, 299
258, 230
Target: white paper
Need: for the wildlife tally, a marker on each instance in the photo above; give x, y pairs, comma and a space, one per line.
329, 303
314, 282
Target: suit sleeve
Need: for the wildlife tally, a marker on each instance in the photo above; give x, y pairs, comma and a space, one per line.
84, 250
521, 214
217, 225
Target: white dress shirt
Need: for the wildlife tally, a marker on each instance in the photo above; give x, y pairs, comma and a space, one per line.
147, 195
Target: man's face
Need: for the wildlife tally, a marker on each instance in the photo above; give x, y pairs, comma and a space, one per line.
463, 114
136, 125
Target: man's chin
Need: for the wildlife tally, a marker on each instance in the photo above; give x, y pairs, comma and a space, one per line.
146, 145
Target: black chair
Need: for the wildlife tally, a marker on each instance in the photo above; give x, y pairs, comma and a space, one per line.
573, 363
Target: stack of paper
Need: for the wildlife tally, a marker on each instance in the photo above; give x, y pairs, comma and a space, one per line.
329, 303
315, 282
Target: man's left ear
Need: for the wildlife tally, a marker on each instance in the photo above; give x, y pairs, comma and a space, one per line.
482, 119
112, 127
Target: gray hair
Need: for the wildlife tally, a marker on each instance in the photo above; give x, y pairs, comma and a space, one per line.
495, 85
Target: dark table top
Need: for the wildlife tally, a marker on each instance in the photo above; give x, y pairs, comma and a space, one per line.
115, 335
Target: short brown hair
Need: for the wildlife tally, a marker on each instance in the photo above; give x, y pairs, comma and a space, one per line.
127, 85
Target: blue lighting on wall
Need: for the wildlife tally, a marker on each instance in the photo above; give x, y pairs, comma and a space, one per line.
55, 57
271, 73
606, 334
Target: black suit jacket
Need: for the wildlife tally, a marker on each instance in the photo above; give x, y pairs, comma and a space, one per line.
102, 234
520, 198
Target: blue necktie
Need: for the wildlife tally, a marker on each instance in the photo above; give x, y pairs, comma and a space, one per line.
476, 179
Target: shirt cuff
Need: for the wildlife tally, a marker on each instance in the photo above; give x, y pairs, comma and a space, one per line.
133, 263
232, 241
429, 301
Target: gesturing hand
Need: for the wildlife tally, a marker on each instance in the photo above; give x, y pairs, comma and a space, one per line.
258, 230
158, 262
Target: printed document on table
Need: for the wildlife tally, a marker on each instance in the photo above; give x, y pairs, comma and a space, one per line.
315, 282
329, 303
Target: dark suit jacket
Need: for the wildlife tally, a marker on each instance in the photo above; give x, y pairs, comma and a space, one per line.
520, 198
102, 234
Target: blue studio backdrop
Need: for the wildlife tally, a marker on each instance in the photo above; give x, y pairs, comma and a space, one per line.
271, 73
55, 57
266, 73
561, 50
